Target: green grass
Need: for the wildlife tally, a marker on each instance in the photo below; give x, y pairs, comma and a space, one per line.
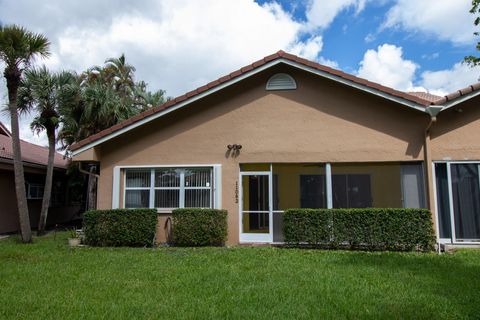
49, 280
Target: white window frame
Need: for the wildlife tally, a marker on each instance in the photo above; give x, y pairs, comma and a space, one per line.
36, 185
215, 193
137, 188
448, 163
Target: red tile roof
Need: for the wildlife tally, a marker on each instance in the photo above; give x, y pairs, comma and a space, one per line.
426, 96
458, 93
422, 101
31, 153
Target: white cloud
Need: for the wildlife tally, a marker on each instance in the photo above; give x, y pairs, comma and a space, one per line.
175, 45
443, 82
321, 13
370, 37
443, 19
308, 49
387, 66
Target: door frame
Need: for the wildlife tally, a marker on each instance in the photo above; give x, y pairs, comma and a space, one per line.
256, 237
448, 164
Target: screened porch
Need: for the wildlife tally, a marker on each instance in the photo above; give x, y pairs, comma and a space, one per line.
267, 190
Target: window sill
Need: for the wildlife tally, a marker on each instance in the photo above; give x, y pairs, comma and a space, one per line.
164, 211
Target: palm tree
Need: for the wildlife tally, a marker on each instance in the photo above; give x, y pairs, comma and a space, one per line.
121, 75
104, 96
144, 99
43, 92
18, 47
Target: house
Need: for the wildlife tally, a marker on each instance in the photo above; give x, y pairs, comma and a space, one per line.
63, 208
285, 132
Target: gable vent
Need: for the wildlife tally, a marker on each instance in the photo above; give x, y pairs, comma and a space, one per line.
281, 81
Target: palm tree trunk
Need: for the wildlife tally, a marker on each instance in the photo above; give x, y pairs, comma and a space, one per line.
23, 215
91, 190
47, 190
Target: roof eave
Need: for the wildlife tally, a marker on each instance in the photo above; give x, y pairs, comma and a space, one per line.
452, 103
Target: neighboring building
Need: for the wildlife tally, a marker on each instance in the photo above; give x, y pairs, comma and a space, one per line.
285, 132
62, 209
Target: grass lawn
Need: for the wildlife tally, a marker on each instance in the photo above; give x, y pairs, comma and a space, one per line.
49, 280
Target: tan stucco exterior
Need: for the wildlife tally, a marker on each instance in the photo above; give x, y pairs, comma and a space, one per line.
321, 121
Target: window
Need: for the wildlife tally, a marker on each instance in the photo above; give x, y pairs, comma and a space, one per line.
351, 191
168, 188
312, 191
378, 185
35, 191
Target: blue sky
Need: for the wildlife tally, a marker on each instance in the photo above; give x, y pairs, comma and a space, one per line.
344, 41
178, 45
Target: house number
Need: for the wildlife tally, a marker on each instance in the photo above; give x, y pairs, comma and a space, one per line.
236, 191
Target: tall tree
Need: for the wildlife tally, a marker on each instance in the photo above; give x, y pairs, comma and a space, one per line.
105, 95
43, 92
145, 99
18, 47
475, 9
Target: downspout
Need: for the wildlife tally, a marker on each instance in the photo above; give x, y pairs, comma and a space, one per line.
433, 111
427, 154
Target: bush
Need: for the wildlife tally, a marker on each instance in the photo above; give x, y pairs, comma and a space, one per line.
199, 227
307, 226
120, 227
371, 228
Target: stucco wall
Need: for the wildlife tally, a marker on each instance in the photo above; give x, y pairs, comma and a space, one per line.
321, 121
456, 134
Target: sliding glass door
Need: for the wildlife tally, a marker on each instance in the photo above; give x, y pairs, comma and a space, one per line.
458, 201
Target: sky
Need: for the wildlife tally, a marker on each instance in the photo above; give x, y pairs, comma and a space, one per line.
178, 45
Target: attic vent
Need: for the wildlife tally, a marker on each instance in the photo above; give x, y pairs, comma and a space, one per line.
281, 81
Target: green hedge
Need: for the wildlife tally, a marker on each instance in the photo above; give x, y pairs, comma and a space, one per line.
371, 228
120, 227
199, 227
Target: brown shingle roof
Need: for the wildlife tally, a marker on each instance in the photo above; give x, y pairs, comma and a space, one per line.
421, 101
31, 153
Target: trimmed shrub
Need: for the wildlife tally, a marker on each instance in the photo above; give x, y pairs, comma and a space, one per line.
199, 227
120, 227
370, 228
307, 226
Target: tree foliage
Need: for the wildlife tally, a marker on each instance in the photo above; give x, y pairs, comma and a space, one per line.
102, 97
475, 9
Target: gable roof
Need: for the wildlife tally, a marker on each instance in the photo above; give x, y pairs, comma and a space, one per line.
415, 101
31, 153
